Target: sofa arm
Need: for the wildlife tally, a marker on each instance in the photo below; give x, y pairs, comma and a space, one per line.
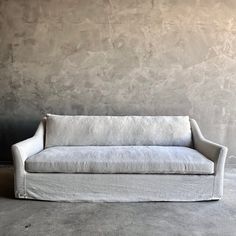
213, 151
21, 151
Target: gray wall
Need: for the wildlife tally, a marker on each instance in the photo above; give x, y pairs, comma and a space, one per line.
117, 57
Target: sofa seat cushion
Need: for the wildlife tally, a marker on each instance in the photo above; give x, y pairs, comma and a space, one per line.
120, 159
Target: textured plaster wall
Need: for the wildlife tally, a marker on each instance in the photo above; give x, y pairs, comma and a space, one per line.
117, 57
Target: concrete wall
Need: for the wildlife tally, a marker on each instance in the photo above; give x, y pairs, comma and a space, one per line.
117, 57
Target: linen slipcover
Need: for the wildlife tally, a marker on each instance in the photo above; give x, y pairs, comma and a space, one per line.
119, 187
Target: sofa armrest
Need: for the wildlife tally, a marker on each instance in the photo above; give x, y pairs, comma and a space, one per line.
28, 147
21, 151
213, 151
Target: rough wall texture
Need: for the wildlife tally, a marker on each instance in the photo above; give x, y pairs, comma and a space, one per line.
116, 57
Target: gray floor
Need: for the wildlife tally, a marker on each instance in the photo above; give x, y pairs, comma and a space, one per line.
24, 217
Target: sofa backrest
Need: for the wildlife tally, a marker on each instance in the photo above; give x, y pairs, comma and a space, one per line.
117, 130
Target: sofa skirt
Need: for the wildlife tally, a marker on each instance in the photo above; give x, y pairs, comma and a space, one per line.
117, 187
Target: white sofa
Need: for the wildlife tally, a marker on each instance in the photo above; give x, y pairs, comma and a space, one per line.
118, 158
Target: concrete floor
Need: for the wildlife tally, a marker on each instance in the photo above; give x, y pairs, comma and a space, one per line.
25, 217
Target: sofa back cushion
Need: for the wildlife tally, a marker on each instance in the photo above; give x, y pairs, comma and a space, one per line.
117, 131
